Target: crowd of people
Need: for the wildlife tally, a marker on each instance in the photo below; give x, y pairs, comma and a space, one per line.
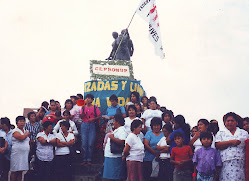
141, 141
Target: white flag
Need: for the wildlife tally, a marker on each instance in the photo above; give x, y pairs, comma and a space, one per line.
148, 11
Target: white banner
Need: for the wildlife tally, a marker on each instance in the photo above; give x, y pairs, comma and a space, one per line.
117, 70
148, 11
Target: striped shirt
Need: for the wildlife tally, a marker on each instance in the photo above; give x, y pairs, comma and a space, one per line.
33, 130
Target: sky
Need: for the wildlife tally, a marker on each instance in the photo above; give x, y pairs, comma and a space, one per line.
46, 46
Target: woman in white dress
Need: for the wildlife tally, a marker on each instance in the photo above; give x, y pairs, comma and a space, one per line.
20, 150
231, 144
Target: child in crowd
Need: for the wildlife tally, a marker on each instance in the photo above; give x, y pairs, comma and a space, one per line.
181, 156
207, 160
167, 117
165, 171
194, 131
246, 124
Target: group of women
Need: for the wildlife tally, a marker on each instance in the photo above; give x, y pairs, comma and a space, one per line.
142, 152
137, 145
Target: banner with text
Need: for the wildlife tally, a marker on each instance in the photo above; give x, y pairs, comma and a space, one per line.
148, 11
102, 90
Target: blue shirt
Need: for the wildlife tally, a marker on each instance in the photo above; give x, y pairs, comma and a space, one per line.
111, 111
153, 139
173, 144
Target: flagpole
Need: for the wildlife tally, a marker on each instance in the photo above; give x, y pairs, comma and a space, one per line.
124, 35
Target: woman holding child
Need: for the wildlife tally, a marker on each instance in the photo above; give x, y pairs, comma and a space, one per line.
231, 143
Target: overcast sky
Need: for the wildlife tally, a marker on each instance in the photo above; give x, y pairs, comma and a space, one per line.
45, 48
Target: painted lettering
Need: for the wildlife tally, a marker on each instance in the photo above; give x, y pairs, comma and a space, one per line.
97, 102
143, 5
123, 84
131, 87
121, 101
94, 88
114, 85
87, 86
107, 85
100, 86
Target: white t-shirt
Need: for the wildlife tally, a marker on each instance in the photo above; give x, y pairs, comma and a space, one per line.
163, 142
136, 148
119, 133
2, 134
131, 103
197, 144
63, 150
148, 115
128, 122
127, 126
71, 128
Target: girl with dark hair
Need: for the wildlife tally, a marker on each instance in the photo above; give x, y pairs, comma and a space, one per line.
246, 124
139, 109
164, 162
51, 115
179, 126
194, 131
167, 117
114, 166
89, 114
134, 97
134, 152
203, 126
68, 106
214, 126
72, 127
144, 101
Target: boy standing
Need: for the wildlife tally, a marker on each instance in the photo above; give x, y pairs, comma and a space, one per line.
207, 160
181, 156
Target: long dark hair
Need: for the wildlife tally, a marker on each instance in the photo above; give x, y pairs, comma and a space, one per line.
180, 120
206, 123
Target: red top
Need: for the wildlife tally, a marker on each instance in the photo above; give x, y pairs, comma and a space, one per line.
48, 118
89, 113
180, 154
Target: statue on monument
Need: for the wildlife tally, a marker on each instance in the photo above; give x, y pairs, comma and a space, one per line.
122, 47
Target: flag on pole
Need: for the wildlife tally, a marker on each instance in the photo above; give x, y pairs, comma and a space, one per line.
148, 11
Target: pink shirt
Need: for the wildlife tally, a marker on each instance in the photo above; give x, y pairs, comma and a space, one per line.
89, 113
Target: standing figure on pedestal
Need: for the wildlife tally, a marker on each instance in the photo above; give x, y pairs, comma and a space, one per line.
122, 46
